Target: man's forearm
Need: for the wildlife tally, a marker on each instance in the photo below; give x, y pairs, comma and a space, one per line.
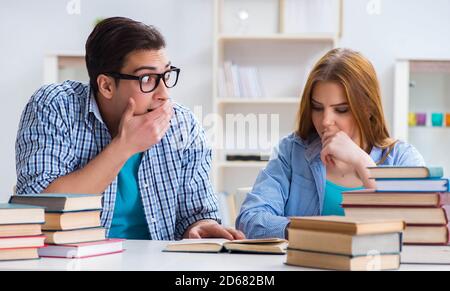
97, 175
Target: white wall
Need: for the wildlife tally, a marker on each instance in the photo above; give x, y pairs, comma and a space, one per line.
404, 29
29, 29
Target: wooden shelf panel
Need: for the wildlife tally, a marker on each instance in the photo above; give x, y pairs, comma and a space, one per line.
322, 37
288, 100
227, 164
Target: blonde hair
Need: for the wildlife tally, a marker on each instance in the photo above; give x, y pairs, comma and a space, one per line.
358, 78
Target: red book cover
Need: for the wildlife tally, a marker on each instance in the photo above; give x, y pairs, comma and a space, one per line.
443, 198
445, 210
95, 243
72, 251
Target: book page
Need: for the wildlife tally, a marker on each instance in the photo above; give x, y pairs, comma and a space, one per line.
218, 241
258, 241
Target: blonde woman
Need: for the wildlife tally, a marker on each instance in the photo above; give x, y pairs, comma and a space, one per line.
340, 132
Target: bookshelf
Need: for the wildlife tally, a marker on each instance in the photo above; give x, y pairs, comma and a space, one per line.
422, 94
263, 51
287, 100
65, 65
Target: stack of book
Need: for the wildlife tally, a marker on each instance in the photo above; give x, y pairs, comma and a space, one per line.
20, 232
68, 218
416, 195
346, 244
70, 221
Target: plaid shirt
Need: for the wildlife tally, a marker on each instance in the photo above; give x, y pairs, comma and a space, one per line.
61, 130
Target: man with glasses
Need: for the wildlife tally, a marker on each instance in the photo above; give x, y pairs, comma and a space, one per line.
122, 136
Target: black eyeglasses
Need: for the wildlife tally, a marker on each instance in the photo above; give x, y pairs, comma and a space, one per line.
149, 82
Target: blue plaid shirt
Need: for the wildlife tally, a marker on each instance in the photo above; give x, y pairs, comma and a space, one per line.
61, 130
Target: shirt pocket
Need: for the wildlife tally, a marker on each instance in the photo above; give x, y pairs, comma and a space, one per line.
305, 193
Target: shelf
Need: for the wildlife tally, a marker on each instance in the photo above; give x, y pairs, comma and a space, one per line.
63, 65
323, 37
67, 53
247, 62
227, 164
429, 127
288, 100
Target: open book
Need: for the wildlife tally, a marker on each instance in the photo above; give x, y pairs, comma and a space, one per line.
266, 246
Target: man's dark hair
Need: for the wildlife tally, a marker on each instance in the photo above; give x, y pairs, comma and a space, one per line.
112, 40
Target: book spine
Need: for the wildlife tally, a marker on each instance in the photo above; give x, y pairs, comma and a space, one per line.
441, 200
389, 206
401, 185
359, 192
412, 179
447, 236
236, 81
222, 87
444, 199
445, 210
81, 257
425, 244
411, 191
229, 78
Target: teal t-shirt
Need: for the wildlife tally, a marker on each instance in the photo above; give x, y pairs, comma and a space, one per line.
333, 199
129, 220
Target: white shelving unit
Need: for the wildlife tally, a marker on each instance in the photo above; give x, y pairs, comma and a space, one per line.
423, 86
262, 34
287, 100
65, 65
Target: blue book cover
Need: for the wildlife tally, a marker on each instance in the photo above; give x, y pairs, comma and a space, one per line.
412, 185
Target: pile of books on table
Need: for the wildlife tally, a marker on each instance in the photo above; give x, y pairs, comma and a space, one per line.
20, 232
417, 195
72, 225
342, 243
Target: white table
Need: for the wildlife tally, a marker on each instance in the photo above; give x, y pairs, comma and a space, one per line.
148, 256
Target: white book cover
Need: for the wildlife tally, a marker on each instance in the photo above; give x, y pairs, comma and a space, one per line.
227, 67
412, 185
426, 255
222, 84
243, 82
236, 82
259, 84
256, 92
83, 250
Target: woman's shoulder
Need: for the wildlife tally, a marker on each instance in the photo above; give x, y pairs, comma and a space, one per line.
401, 145
294, 139
295, 150
404, 154
292, 142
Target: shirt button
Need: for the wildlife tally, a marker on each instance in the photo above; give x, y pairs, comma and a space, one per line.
145, 185
153, 220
